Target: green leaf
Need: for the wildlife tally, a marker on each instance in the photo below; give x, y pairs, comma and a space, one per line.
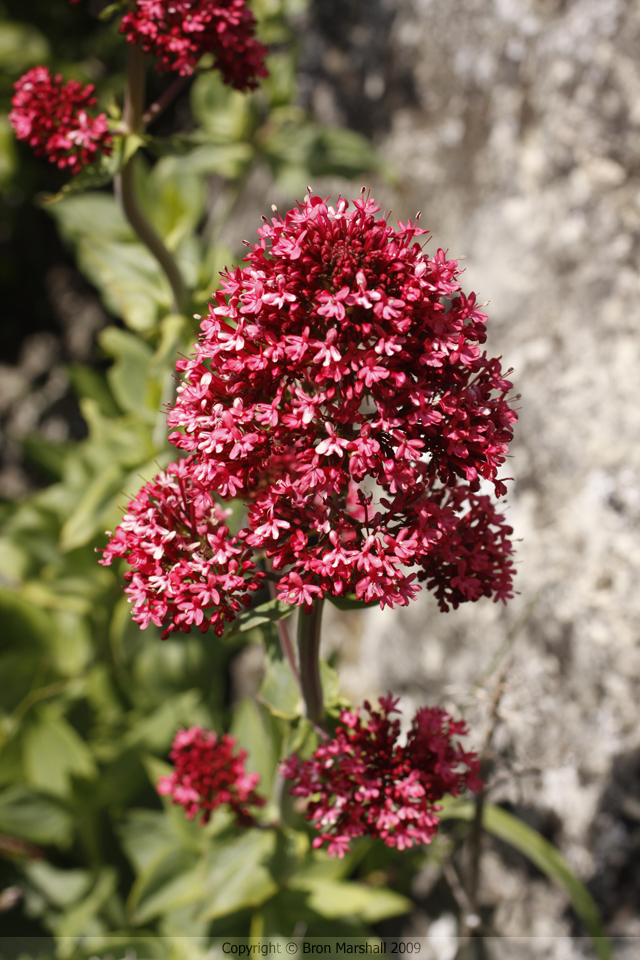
131, 145
54, 752
350, 602
49, 456
546, 858
77, 218
8, 157
22, 624
269, 612
301, 739
226, 115
333, 899
229, 160
61, 887
156, 730
94, 175
128, 377
330, 680
90, 383
21, 46
84, 522
81, 920
236, 877
341, 152
249, 729
111, 9
279, 691
33, 817
180, 891
174, 198
129, 278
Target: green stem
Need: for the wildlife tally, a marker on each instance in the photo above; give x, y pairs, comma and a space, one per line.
309, 626
126, 181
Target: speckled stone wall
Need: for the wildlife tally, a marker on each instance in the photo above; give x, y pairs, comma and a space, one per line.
514, 126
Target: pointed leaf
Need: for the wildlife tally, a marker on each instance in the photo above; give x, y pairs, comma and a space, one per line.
33, 817
236, 877
249, 729
333, 899
279, 691
54, 752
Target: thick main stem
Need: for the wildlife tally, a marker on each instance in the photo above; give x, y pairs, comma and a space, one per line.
133, 118
309, 626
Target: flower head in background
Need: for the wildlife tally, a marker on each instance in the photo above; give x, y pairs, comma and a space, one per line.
180, 32
340, 389
208, 774
53, 119
363, 782
187, 569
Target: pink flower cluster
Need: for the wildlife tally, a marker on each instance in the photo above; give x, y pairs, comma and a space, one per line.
363, 782
187, 569
53, 118
180, 32
208, 774
338, 387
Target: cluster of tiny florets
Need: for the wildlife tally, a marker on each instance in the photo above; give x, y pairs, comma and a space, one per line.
363, 782
207, 774
187, 569
53, 119
339, 388
180, 32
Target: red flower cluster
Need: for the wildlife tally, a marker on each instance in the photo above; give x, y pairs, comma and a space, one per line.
180, 32
187, 569
338, 386
54, 121
365, 783
208, 774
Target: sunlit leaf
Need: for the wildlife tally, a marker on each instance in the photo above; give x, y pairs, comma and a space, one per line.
269, 612
333, 899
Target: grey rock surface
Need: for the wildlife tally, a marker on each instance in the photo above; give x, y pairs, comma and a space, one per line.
514, 126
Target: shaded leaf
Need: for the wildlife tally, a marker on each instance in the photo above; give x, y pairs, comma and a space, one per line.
249, 729
21, 46
60, 887
31, 816
236, 876
54, 752
128, 377
279, 691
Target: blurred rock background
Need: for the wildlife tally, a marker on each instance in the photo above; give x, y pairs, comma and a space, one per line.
514, 126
